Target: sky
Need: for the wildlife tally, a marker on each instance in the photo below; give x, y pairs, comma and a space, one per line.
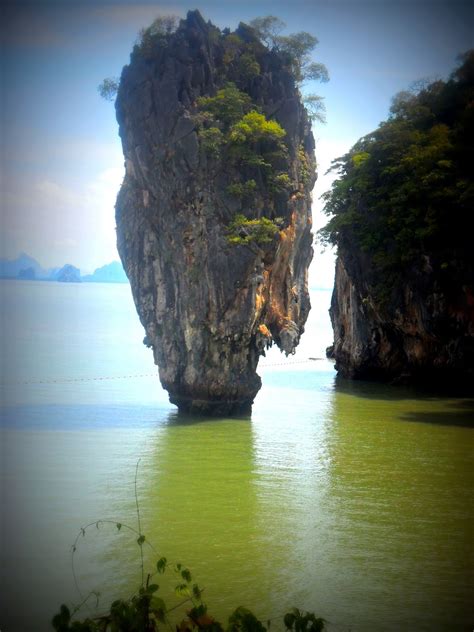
62, 162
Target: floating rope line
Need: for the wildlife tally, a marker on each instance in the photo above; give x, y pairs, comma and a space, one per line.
102, 378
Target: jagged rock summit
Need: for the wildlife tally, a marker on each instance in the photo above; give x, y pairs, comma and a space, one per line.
214, 213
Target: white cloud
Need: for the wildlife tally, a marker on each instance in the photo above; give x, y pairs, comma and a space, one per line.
56, 223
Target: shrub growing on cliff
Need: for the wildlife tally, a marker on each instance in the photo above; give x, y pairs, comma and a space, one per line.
157, 33
242, 189
230, 127
315, 107
212, 140
243, 231
296, 49
257, 141
108, 88
227, 106
268, 29
248, 66
254, 128
281, 182
296, 46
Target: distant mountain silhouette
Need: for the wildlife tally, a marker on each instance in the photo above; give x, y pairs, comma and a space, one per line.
69, 274
27, 274
12, 268
27, 268
110, 273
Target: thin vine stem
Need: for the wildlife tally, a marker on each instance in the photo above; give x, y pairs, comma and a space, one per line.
96, 523
139, 523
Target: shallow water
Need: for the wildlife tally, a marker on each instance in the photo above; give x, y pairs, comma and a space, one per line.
350, 499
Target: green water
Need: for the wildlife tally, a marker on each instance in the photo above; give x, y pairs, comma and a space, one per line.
350, 499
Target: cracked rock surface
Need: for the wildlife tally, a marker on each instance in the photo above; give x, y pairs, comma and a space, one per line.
209, 308
423, 335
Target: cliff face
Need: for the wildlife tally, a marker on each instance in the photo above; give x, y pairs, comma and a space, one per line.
210, 305
423, 333
401, 214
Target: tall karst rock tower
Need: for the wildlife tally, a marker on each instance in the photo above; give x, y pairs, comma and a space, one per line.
214, 214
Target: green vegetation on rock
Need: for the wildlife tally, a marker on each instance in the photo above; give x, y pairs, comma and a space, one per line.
405, 192
231, 127
254, 128
296, 47
243, 231
156, 34
108, 88
232, 130
242, 189
227, 106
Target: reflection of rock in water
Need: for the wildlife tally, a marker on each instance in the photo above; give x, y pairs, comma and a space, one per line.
200, 503
211, 307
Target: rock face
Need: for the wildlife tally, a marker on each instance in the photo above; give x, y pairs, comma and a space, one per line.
210, 307
400, 216
424, 335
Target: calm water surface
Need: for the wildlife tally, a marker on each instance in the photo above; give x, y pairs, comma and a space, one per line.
350, 499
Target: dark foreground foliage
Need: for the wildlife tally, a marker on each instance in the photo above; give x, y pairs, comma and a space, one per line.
144, 613
146, 610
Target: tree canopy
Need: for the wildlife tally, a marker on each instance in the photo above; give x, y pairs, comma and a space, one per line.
405, 191
108, 88
297, 48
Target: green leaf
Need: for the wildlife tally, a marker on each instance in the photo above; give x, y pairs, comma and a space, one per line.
289, 620
158, 607
152, 588
182, 590
161, 565
186, 575
62, 618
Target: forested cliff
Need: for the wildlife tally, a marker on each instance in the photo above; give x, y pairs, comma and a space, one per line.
401, 218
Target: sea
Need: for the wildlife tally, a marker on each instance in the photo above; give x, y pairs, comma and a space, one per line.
352, 500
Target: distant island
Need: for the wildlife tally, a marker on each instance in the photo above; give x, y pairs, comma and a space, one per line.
27, 268
110, 273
